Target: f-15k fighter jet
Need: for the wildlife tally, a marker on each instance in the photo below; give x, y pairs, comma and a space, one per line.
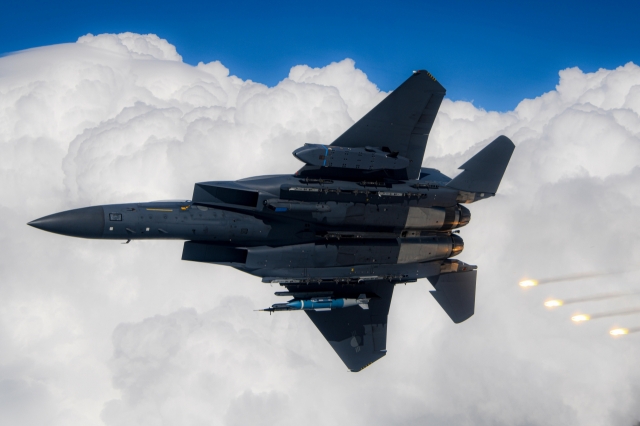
359, 217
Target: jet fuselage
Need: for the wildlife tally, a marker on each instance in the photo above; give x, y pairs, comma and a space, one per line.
359, 217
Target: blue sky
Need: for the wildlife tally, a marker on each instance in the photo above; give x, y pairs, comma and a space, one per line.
95, 333
494, 53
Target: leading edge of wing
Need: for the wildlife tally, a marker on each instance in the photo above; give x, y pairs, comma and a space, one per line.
358, 336
401, 122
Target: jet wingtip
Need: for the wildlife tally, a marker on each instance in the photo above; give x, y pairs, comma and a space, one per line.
504, 140
427, 73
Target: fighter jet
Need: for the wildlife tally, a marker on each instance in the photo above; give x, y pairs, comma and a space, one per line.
359, 217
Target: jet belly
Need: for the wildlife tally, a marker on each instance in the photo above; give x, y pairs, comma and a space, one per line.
405, 217
263, 261
429, 248
359, 217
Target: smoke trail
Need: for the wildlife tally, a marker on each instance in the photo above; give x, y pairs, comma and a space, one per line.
616, 313
554, 303
573, 277
587, 317
622, 331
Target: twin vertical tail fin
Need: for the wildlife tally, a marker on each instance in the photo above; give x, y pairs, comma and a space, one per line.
455, 289
456, 294
484, 171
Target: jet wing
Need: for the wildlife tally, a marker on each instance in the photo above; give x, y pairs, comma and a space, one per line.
401, 122
359, 336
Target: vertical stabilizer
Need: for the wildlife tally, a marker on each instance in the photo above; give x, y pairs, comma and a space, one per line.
484, 171
456, 294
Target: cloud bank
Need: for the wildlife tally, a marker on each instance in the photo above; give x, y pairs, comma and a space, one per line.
96, 332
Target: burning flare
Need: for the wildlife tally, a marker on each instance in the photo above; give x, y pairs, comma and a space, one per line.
573, 277
580, 318
619, 331
585, 317
553, 303
528, 283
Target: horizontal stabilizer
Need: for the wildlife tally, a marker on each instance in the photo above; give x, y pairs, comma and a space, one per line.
484, 171
456, 293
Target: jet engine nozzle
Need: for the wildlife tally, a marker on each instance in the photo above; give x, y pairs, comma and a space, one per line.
457, 245
465, 216
456, 217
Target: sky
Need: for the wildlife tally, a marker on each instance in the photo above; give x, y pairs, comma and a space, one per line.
101, 333
493, 53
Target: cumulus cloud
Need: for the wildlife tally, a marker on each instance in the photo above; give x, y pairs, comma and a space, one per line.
101, 333
136, 46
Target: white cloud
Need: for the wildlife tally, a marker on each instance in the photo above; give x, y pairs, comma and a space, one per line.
353, 85
136, 46
94, 332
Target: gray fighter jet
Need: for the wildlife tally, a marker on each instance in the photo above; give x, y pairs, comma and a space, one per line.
359, 217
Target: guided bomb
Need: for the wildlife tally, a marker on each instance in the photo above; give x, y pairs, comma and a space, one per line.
320, 304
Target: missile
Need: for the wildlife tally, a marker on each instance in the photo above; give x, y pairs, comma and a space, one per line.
319, 304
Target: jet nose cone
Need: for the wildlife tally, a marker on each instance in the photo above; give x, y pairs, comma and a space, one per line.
87, 222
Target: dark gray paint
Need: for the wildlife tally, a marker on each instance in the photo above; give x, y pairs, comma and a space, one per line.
87, 222
401, 122
484, 171
341, 229
456, 293
358, 336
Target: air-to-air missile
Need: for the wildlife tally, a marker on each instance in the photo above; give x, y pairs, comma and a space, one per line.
360, 216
